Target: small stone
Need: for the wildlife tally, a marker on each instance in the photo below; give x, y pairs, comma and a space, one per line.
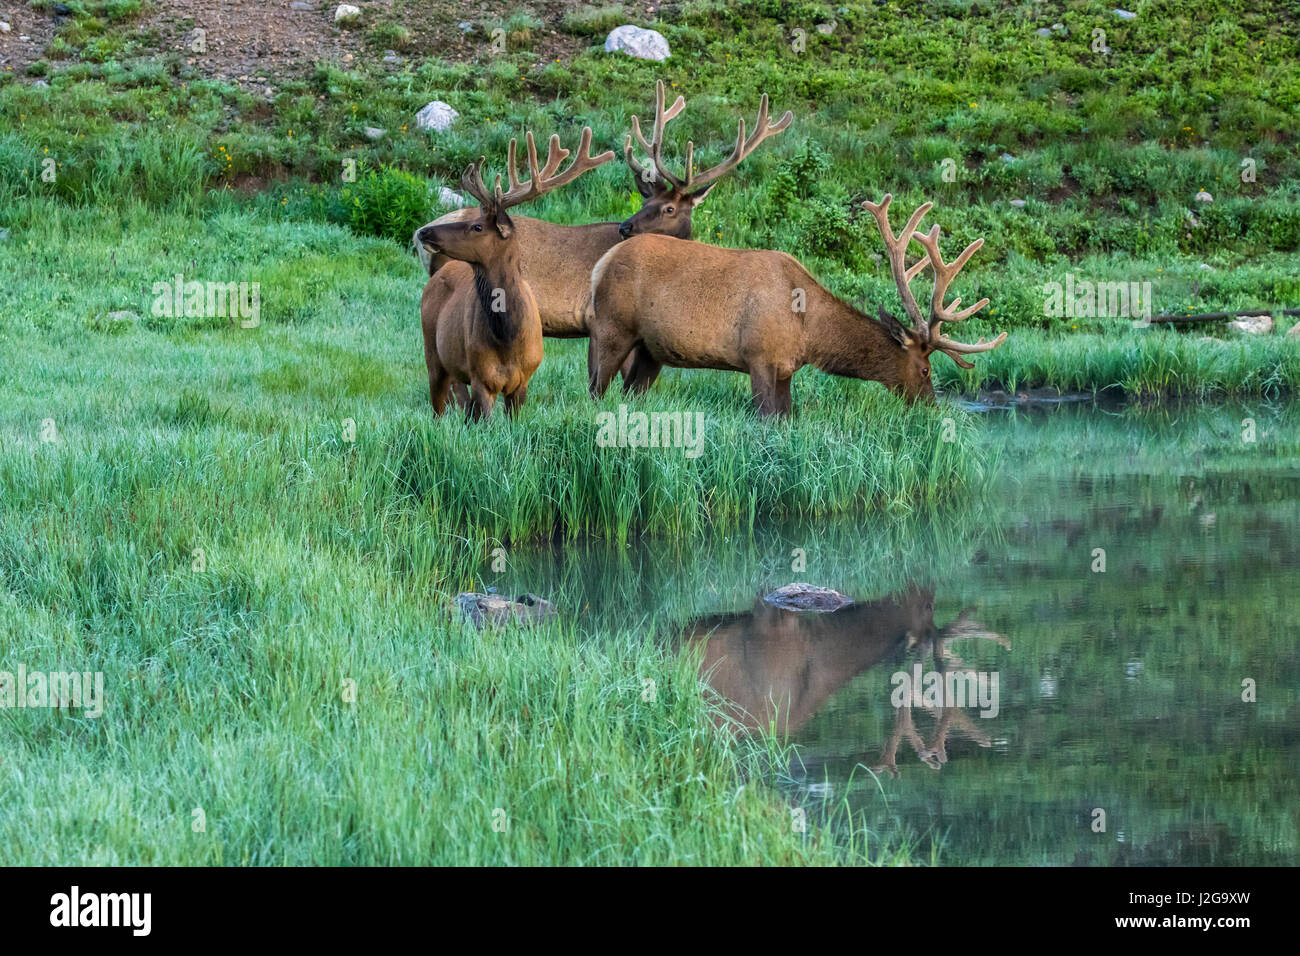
1203, 196
1043, 32
638, 42
1059, 28
301, 5
40, 85
437, 116
807, 597
4, 27
373, 132
1253, 325
346, 15
1018, 203
1007, 158
1125, 14
121, 316
1204, 266
827, 28
4, 235
465, 26
451, 198
390, 56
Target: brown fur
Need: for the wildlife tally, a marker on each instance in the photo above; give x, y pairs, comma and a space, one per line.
692, 305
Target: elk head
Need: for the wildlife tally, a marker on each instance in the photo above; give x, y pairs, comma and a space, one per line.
486, 239
670, 199
918, 343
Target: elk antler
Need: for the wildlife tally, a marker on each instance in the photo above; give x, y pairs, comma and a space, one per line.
743, 147
896, 246
540, 181
944, 273
655, 146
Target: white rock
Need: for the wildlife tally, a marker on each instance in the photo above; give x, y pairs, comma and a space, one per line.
437, 116
1018, 203
4, 27
347, 14
1125, 14
1203, 196
373, 132
1253, 325
301, 5
1043, 32
451, 199
638, 42
1007, 158
826, 28
1204, 266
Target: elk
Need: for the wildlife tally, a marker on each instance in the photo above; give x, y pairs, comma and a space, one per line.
691, 305
479, 315
557, 260
778, 668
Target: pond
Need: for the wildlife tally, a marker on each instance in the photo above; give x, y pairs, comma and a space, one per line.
1120, 602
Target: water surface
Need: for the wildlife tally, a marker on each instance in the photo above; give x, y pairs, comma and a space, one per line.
1130, 581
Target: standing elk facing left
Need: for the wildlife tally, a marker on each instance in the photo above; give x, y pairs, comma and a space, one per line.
480, 318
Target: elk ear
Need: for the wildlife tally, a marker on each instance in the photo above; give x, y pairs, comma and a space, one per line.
697, 197
647, 187
502, 221
893, 327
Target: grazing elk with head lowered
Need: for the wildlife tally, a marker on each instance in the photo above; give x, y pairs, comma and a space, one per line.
479, 315
692, 305
556, 260
778, 668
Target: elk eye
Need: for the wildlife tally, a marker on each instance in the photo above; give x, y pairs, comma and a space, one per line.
926, 371
669, 210
478, 227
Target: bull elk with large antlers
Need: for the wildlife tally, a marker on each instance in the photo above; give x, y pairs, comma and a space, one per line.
479, 314
557, 260
692, 305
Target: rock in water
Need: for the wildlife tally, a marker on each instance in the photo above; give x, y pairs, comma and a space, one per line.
807, 597
437, 116
497, 609
638, 42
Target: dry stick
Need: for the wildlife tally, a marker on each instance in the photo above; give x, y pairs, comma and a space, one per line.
1220, 316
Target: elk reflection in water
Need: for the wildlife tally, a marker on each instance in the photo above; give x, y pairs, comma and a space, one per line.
776, 668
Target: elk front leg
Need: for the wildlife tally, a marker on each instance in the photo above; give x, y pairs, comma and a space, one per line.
762, 381
480, 403
516, 399
460, 392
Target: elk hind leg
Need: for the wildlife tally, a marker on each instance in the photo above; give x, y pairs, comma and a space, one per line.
640, 371
605, 356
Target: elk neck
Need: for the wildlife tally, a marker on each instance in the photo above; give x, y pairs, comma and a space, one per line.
502, 309
842, 340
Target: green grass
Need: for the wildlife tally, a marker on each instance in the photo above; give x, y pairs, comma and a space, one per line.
330, 560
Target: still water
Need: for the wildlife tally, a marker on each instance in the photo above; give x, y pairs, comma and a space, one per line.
1121, 604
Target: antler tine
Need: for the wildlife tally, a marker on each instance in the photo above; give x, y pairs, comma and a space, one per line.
896, 246
743, 146
944, 273
542, 181
471, 180
656, 143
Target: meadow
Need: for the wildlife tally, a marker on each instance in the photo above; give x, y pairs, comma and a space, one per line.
256, 533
